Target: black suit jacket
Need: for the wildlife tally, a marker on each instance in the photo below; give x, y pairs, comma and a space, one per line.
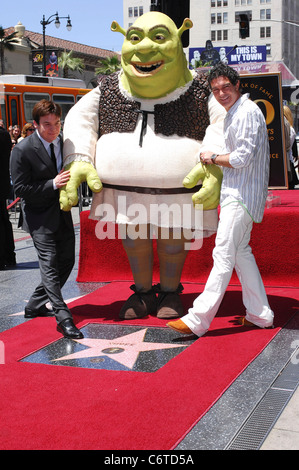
5, 149
32, 173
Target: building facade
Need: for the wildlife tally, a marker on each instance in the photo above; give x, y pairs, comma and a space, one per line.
21, 59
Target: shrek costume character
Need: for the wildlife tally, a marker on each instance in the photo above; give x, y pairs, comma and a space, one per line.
134, 139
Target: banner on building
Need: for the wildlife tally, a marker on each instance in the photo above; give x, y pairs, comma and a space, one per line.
51, 62
37, 62
266, 91
227, 54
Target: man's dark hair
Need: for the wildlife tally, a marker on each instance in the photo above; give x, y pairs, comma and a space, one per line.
223, 70
45, 107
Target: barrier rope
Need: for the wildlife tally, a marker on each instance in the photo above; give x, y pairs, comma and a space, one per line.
13, 203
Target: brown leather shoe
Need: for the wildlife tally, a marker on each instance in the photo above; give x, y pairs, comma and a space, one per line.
179, 326
139, 305
242, 321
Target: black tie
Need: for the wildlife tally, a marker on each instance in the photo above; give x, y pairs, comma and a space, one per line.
53, 157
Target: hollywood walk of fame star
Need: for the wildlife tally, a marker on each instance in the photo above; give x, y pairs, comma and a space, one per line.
124, 349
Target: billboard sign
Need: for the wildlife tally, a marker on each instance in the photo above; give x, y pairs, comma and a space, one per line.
227, 54
51, 62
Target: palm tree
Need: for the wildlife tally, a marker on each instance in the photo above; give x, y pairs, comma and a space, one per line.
108, 65
67, 62
8, 43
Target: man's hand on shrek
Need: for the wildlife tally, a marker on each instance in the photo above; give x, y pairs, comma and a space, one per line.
208, 196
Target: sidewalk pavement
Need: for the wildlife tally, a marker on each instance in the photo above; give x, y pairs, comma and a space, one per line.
284, 435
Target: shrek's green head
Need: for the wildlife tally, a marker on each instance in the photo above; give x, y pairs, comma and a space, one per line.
153, 60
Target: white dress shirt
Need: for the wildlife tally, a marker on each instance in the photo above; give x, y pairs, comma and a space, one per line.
246, 140
57, 151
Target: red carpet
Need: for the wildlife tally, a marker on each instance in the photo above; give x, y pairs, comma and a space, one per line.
274, 243
59, 407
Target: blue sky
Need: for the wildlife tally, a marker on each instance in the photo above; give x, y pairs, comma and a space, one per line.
91, 20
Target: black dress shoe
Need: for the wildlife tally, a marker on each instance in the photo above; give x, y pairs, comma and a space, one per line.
10, 262
42, 312
69, 330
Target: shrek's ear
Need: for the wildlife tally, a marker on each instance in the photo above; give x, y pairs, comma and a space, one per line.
115, 27
187, 24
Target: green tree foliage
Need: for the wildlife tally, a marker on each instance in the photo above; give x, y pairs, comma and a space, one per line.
67, 62
108, 65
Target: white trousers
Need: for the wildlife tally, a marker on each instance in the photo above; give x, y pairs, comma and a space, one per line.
231, 251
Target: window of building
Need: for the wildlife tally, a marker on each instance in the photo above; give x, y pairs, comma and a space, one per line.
265, 32
140, 10
130, 12
265, 14
213, 3
225, 18
268, 49
219, 18
135, 11
219, 35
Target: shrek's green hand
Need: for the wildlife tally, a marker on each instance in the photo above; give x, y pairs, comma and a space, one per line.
79, 172
209, 194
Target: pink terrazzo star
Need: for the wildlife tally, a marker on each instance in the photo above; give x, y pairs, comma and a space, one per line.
124, 349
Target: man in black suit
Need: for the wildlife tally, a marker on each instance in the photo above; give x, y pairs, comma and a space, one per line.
37, 176
7, 246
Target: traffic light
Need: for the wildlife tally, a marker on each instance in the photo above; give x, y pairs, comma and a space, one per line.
177, 10
244, 26
155, 5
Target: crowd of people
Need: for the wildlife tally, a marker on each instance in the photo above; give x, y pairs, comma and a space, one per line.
7, 246
291, 147
8, 139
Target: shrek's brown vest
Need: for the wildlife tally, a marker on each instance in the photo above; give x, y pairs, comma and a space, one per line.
186, 116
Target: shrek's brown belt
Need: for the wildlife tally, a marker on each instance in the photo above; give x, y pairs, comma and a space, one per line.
145, 190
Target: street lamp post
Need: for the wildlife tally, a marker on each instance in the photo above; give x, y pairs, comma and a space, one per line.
44, 23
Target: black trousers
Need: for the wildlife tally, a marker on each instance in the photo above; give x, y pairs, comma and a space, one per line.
56, 255
7, 245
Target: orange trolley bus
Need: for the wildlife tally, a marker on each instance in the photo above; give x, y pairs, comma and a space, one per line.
19, 93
